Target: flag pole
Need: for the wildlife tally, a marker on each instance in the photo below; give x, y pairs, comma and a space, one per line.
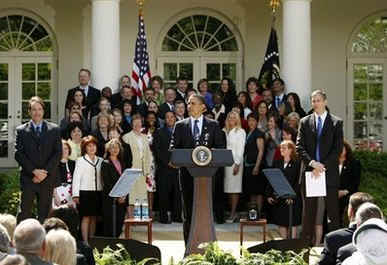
140, 4
274, 4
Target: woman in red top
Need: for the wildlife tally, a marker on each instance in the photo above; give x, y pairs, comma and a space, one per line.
254, 91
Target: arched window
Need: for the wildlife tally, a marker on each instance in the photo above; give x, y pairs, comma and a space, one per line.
200, 43
22, 33
200, 32
367, 74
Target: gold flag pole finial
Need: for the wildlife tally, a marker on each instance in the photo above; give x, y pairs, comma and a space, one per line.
140, 4
274, 5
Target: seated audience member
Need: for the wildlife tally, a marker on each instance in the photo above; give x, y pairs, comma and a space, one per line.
254, 90
336, 239
13, 260
62, 192
244, 99
60, 247
157, 84
180, 111
76, 132
279, 209
204, 91
71, 218
295, 104
127, 111
53, 223
103, 107
350, 172
104, 123
227, 92
272, 139
167, 184
5, 242
370, 238
253, 179
169, 104
9, 222
111, 169
219, 110
30, 241
292, 120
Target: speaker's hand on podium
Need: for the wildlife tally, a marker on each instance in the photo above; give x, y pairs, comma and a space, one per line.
170, 164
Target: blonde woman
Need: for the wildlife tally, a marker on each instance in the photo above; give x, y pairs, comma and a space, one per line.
236, 138
141, 158
60, 247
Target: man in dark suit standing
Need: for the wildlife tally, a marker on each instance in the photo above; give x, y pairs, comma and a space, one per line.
38, 151
181, 88
168, 184
189, 133
278, 90
169, 104
92, 94
334, 240
319, 143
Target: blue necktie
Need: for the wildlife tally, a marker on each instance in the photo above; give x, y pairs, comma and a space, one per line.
319, 130
277, 102
37, 131
196, 131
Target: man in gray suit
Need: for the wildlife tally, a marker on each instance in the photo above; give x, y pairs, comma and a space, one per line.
30, 241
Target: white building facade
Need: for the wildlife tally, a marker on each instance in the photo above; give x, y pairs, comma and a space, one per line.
338, 46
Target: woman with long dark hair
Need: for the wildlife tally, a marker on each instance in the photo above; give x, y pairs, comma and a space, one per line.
295, 104
227, 90
244, 99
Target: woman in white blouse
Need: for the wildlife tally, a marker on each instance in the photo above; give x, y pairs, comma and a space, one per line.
236, 138
87, 186
141, 159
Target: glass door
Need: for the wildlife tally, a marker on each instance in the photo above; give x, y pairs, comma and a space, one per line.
367, 101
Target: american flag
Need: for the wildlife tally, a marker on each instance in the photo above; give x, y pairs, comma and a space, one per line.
141, 73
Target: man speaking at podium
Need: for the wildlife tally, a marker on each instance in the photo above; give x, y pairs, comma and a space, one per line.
189, 133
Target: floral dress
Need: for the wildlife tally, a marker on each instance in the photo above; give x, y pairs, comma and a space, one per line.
150, 179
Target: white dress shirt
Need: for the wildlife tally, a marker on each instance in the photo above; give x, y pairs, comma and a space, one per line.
323, 117
85, 89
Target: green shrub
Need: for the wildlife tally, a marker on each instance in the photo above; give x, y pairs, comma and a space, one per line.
10, 192
119, 256
374, 176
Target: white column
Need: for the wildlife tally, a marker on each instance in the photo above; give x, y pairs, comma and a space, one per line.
296, 43
105, 43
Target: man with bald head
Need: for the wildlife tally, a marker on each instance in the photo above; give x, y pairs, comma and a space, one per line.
29, 241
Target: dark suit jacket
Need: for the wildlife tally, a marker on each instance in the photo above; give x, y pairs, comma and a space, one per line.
182, 135
333, 241
350, 176
110, 176
179, 96
33, 152
164, 108
331, 145
161, 147
345, 252
93, 96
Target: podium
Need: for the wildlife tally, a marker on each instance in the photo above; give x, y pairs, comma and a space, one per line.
202, 163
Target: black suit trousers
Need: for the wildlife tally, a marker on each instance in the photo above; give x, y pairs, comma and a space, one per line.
169, 196
43, 194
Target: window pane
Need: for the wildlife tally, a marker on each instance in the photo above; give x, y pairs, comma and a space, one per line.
4, 111
3, 91
230, 45
360, 130
360, 72
28, 25
375, 72
39, 33
170, 71
360, 91
25, 114
3, 72
28, 90
44, 71
170, 45
360, 111
213, 25
186, 70
200, 22
229, 70
376, 111
375, 130
44, 90
176, 33
44, 45
213, 72
28, 71
223, 33
14, 22
376, 92
186, 25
